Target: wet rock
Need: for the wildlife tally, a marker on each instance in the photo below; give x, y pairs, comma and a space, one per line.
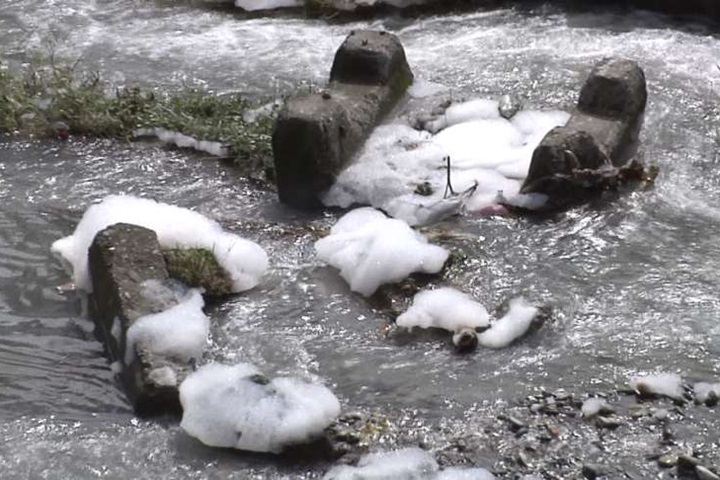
608, 423
686, 464
508, 106
667, 461
592, 471
316, 134
705, 474
591, 152
122, 258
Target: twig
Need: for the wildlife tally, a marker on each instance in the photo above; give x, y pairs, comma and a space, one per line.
448, 184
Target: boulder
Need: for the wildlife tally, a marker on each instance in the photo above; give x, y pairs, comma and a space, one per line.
122, 258
600, 137
317, 134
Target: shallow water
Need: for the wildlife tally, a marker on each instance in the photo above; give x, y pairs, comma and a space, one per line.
633, 281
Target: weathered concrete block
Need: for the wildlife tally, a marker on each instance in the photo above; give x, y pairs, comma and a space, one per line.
122, 258
369, 57
316, 135
601, 134
615, 89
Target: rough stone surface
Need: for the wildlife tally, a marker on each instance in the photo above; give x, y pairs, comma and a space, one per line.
601, 134
121, 258
615, 89
317, 134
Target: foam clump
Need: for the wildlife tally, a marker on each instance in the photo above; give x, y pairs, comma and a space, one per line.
592, 406
489, 154
371, 249
704, 391
445, 308
181, 140
179, 332
405, 464
662, 384
350, 5
237, 407
513, 325
243, 260
254, 5
459, 313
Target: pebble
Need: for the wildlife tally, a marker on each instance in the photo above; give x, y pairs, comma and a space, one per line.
687, 463
705, 474
667, 461
591, 472
609, 423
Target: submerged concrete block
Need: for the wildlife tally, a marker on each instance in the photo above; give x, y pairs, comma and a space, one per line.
122, 259
602, 133
317, 134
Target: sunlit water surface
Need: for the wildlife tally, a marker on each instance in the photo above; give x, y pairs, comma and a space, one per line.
633, 282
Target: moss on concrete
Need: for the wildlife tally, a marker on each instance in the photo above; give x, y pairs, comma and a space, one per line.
197, 267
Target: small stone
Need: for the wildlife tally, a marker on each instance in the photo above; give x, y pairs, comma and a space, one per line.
705, 474
712, 399
686, 463
535, 408
660, 414
667, 461
523, 459
609, 423
591, 472
553, 430
424, 189
515, 424
349, 437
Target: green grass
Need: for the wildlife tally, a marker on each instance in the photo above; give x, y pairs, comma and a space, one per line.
197, 267
46, 96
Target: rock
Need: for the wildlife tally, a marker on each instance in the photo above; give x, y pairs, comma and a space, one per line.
667, 461
705, 474
608, 422
316, 135
508, 106
122, 258
614, 90
686, 463
591, 472
369, 57
592, 151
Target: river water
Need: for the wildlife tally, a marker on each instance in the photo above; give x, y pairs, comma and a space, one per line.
633, 282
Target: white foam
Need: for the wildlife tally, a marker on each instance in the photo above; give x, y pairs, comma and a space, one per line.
181, 140
593, 406
405, 464
371, 249
180, 332
176, 227
663, 384
484, 149
229, 406
457, 473
254, 5
704, 389
444, 308
163, 377
513, 325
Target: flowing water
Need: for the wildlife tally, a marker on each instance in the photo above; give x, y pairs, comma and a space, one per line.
633, 282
